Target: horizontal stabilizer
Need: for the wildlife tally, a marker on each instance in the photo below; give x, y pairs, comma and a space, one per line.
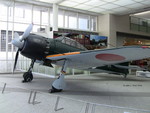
127, 67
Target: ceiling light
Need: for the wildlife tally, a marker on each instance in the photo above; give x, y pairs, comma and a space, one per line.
107, 12
82, 6
140, 0
79, 1
95, 2
146, 2
124, 2
136, 6
48, 1
69, 3
142, 13
98, 10
109, 0
109, 6
121, 10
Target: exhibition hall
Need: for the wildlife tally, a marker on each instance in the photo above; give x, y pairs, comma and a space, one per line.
70, 56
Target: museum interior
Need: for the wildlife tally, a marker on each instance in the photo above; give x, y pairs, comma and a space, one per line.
90, 24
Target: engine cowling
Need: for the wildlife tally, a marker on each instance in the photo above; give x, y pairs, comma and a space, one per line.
35, 47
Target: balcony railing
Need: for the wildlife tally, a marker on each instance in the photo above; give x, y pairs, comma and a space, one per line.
139, 24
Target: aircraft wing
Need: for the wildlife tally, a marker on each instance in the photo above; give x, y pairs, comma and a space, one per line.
99, 58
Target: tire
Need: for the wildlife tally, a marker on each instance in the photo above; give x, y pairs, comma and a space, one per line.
28, 77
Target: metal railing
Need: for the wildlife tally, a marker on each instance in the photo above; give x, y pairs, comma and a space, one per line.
139, 24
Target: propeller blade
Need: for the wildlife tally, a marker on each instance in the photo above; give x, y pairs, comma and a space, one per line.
16, 41
27, 32
16, 58
16, 35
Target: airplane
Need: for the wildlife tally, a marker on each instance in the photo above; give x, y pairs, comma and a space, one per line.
66, 52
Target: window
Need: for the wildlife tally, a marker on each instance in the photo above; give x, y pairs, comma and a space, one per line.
139, 24
3, 13
19, 13
44, 15
144, 23
51, 18
71, 42
36, 15
11, 11
135, 20
71, 21
83, 22
66, 21
93, 23
61, 19
23, 13
74, 20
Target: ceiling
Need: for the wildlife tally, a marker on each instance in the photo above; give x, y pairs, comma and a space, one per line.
107, 6
118, 7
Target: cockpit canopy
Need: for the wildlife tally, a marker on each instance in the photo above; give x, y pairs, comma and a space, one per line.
71, 42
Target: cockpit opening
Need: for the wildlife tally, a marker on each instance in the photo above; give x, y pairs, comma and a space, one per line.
71, 42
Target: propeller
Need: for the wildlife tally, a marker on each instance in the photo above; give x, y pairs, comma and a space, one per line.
16, 58
18, 41
27, 32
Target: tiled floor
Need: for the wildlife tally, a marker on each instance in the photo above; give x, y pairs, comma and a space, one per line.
102, 89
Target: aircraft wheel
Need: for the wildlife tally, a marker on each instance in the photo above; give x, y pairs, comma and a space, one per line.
125, 76
28, 77
53, 90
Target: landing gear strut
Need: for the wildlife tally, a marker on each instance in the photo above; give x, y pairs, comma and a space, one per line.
59, 84
125, 75
28, 76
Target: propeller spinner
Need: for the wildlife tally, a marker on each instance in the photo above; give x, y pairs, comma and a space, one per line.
18, 41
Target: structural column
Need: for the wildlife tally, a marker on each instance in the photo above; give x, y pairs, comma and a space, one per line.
107, 28
55, 17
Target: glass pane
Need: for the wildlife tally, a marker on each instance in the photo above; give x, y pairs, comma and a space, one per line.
3, 13
143, 22
10, 26
45, 16
83, 22
143, 29
23, 13
20, 27
134, 20
148, 23
72, 22
72, 19
148, 30
66, 21
93, 23
36, 15
36, 28
61, 19
10, 13
134, 27
3, 36
51, 18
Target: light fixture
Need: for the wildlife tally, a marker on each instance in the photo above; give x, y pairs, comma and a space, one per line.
109, 6
124, 2
109, 0
69, 3
142, 13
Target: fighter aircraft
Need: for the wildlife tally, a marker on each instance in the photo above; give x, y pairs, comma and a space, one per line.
66, 53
